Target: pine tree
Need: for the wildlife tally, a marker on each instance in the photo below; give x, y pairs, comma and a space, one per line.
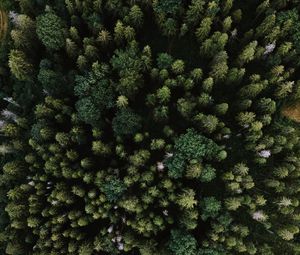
24, 33
149, 119
194, 12
182, 243
211, 208
104, 37
247, 54
266, 25
136, 16
208, 123
19, 65
126, 122
50, 30
187, 199
203, 31
219, 66
178, 67
164, 94
71, 48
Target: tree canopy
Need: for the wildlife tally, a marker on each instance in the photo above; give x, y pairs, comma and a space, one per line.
163, 127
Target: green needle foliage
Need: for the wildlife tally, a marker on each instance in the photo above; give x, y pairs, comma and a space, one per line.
149, 127
113, 189
49, 28
182, 243
126, 122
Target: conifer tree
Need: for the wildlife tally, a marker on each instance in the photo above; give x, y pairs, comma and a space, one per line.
149, 127
50, 31
19, 65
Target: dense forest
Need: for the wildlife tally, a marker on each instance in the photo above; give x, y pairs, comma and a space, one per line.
149, 127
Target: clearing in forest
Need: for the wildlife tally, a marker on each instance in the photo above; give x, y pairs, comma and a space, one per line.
292, 112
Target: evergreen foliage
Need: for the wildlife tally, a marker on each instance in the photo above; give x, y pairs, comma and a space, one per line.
126, 122
149, 127
50, 31
182, 243
190, 146
113, 189
19, 65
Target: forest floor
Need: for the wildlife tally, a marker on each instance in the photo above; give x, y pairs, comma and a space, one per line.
3, 24
292, 112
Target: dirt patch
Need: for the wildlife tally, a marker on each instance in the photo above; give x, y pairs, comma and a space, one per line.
3, 24
292, 112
